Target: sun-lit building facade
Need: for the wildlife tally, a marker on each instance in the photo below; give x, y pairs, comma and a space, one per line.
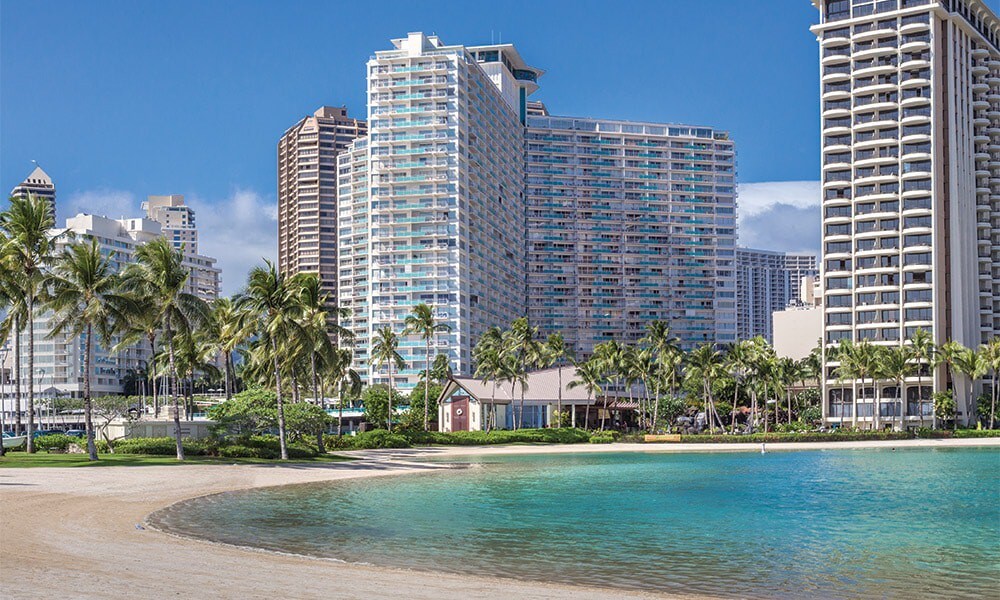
628, 223
439, 217
910, 96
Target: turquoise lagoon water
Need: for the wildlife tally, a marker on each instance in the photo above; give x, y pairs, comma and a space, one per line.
831, 524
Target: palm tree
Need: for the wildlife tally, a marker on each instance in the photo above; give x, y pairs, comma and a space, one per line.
524, 351
737, 363
865, 359
924, 351
897, 365
847, 370
12, 304
972, 365
86, 299
344, 380
385, 352
706, 363
558, 351
29, 244
609, 357
991, 355
231, 330
590, 375
159, 273
421, 322
664, 348
268, 301
789, 371
488, 354
143, 325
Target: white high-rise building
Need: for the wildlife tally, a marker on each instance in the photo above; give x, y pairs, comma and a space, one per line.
59, 361
443, 219
630, 223
911, 191
768, 281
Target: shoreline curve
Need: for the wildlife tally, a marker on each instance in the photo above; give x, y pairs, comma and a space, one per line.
76, 532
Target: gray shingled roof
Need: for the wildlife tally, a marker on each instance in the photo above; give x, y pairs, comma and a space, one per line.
542, 388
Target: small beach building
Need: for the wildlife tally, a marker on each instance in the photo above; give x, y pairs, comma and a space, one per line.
466, 403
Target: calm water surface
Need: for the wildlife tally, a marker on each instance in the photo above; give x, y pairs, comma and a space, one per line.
832, 524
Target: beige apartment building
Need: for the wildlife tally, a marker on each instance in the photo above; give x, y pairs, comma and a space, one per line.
307, 192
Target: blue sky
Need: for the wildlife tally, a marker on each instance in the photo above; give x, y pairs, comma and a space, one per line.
117, 100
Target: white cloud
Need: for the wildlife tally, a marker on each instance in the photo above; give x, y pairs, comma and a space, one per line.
780, 215
104, 202
755, 198
240, 231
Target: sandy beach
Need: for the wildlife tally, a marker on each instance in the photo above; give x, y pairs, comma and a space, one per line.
72, 532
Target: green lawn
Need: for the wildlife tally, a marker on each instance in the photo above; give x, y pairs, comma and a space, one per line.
19, 460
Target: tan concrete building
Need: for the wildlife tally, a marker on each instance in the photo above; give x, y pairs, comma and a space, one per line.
307, 192
798, 328
176, 220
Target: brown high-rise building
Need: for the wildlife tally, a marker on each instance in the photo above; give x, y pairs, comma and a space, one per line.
307, 193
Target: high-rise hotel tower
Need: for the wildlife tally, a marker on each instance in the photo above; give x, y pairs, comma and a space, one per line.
431, 206
630, 223
469, 197
307, 193
911, 190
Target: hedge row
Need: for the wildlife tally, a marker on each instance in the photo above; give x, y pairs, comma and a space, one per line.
564, 435
255, 446
757, 438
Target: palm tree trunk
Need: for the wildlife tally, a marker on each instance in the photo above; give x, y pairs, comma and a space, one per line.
151, 374
732, 416
854, 400
281, 403
227, 357
788, 395
427, 382
88, 361
522, 403
173, 388
586, 415
559, 399
31, 372
493, 403
17, 377
656, 402
317, 395
388, 416
340, 413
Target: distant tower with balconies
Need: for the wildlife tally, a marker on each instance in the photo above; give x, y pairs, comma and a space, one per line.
307, 193
37, 184
911, 193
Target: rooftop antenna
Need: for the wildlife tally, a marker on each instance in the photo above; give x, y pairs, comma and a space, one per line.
492, 40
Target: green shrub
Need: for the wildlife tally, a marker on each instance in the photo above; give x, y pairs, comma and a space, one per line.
55, 442
563, 435
602, 437
833, 436
976, 433
379, 438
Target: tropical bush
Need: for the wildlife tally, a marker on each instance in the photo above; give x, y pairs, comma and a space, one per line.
564, 435
55, 442
378, 438
833, 436
376, 402
602, 437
